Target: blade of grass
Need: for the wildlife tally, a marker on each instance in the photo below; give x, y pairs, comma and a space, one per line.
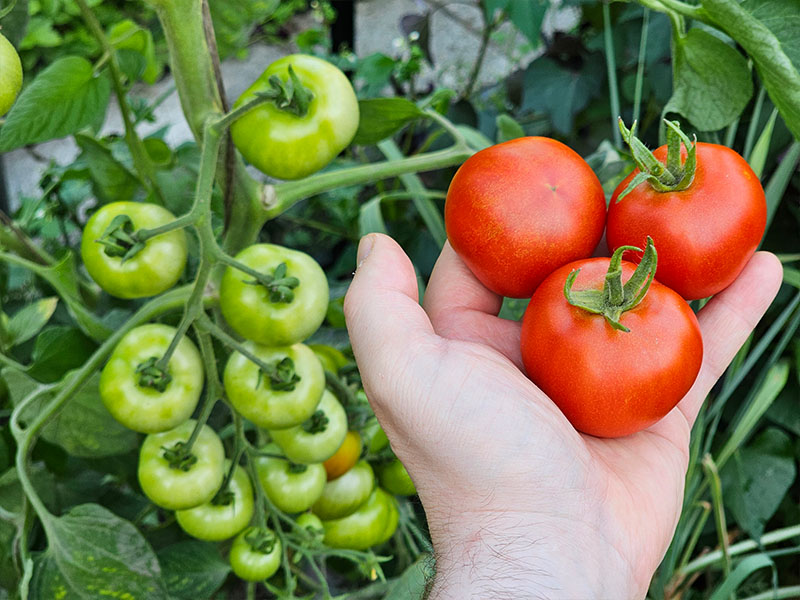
779, 181
637, 92
758, 157
743, 570
370, 215
712, 476
786, 593
791, 276
611, 65
754, 119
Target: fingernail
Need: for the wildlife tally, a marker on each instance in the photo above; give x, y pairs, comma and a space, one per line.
364, 248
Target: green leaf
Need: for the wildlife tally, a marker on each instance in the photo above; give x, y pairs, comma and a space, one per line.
370, 217
508, 129
742, 571
492, 6
767, 30
15, 23
712, 83
413, 583
111, 180
63, 99
758, 157
192, 569
127, 35
527, 16
757, 478
777, 184
27, 322
382, 117
92, 553
375, 73
559, 92
57, 350
40, 34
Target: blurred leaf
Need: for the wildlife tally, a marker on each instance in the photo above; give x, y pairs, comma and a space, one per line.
779, 181
784, 411
57, 350
758, 157
767, 30
527, 16
560, 92
235, 21
127, 35
508, 128
412, 584
757, 478
382, 117
15, 23
743, 570
28, 321
111, 180
712, 83
63, 99
370, 218
374, 72
92, 553
475, 139
40, 33
192, 569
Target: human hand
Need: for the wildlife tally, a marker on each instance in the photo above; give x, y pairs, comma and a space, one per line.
519, 504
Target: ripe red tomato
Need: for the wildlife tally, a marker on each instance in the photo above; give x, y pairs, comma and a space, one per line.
517, 211
608, 382
706, 233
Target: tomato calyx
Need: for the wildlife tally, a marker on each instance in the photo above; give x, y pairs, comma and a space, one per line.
316, 423
279, 286
290, 95
297, 467
260, 540
281, 375
179, 456
152, 375
616, 298
120, 239
670, 177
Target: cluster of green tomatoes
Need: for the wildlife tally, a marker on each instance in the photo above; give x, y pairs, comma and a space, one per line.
304, 460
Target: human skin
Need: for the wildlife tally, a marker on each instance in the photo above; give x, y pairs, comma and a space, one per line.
519, 504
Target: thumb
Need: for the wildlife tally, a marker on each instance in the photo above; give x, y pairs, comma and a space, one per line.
390, 333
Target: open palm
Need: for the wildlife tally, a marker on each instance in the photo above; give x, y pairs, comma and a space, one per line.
519, 504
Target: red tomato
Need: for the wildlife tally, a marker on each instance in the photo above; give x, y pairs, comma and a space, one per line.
608, 382
517, 211
706, 233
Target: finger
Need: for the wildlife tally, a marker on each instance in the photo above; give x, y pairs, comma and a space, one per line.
392, 338
460, 307
727, 321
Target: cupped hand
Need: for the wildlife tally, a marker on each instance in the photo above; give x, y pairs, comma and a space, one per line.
520, 504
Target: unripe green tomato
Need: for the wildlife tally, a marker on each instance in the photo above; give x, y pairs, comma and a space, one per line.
343, 495
142, 408
256, 314
391, 521
288, 146
10, 75
310, 442
292, 488
374, 436
152, 270
394, 478
221, 518
331, 358
252, 395
252, 563
312, 524
365, 527
177, 487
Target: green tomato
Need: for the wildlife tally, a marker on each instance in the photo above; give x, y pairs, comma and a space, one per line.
291, 487
228, 512
274, 404
394, 478
391, 521
10, 75
363, 528
313, 526
374, 436
179, 484
285, 145
331, 358
153, 269
319, 437
281, 314
255, 554
343, 495
131, 394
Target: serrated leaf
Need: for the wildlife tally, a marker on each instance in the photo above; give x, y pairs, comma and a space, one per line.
92, 553
63, 99
192, 569
29, 321
382, 117
712, 83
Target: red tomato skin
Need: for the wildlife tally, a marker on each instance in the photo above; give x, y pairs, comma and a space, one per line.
607, 382
705, 234
518, 210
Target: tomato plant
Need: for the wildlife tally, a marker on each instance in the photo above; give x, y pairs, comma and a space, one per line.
372, 523
120, 262
255, 554
293, 136
318, 437
139, 393
286, 307
312, 524
285, 396
291, 487
343, 495
345, 457
176, 479
706, 215
10, 75
225, 515
615, 358
394, 478
518, 210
